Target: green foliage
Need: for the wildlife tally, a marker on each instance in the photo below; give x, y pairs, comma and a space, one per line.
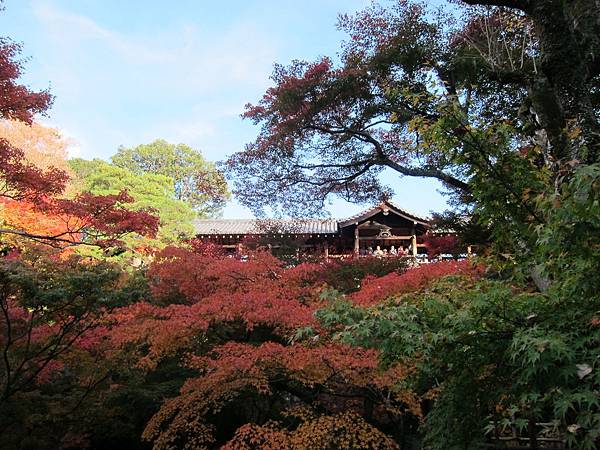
49, 310
197, 182
149, 191
488, 353
569, 242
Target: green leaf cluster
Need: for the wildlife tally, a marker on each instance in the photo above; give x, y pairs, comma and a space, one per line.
148, 190
490, 354
196, 181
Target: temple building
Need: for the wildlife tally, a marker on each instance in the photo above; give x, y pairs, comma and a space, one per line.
383, 228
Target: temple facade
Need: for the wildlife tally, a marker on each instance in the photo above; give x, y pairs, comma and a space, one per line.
383, 229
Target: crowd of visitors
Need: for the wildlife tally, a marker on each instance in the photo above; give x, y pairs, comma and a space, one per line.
382, 253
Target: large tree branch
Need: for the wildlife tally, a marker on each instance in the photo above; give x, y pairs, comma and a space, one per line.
428, 173
523, 5
383, 160
40, 237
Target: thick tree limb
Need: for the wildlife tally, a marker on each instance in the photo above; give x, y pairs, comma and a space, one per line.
383, 160
523, 5
428, 173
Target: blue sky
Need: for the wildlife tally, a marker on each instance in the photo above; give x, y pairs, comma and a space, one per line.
128, 72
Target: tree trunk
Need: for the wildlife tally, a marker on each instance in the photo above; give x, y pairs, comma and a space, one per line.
569, 35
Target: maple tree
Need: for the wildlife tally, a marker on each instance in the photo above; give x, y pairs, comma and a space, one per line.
18, 102
89, 219
52, 307
334, 377
47, 305
42, 146
231, 321
426, 95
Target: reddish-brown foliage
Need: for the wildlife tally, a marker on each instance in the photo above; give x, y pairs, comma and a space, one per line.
443, 244
375, 290
345, 431
43, 146
86, 219
21, 180
335, 376
197, 273
17, 101
210, 291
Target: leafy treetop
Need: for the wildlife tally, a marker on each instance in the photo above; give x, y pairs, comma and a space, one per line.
196, 180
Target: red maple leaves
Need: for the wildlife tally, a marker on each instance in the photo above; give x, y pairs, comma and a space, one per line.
86, 219
20, 180
375, 290
17, 101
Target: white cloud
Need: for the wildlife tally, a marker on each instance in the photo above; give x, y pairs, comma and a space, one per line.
181, 83
74, 29
185, 57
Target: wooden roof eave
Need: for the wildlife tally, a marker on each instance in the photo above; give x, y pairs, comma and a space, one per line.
361, 217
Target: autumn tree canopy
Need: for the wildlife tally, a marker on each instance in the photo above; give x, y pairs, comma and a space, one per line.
201, 349
84, 219
43, 146
445, 96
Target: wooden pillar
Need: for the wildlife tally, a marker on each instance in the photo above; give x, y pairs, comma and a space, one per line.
326, 250
413, 239
469, 251
356, 242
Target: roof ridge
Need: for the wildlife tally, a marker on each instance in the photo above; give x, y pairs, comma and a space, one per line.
408, 211
379, 205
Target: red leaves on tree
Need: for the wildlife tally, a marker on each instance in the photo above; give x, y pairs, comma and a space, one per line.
289, 98
104, 218
336, 376
26, 217
216, 290
375, 290
17, 101
442, 244
87, 218
308, 365
20, 180
344, 431
29, 193
197, 273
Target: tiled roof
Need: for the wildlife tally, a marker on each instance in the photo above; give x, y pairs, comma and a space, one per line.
294, 226
255, 226
377, 208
